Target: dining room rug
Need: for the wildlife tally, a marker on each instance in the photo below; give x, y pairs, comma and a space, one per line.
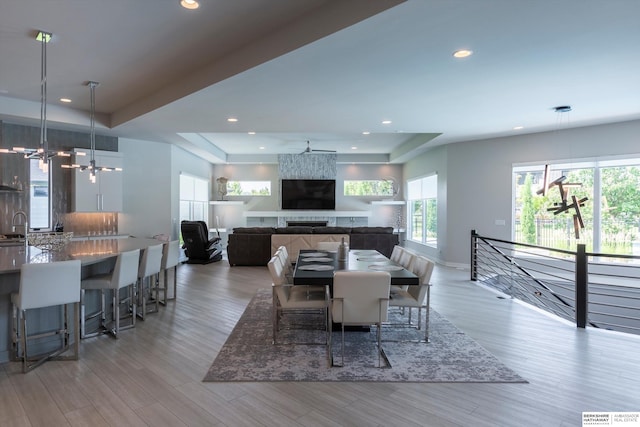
248, 355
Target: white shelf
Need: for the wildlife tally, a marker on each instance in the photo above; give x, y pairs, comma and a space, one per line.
298, 214
226, 202
388, 202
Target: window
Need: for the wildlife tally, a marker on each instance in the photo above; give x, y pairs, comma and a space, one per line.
39, 201
248, 188
423, 210
372, 187
194, 198
610, 214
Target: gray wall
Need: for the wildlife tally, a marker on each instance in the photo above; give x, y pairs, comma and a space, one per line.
478, 182
151, 186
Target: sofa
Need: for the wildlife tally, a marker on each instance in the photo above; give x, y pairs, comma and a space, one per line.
256, 245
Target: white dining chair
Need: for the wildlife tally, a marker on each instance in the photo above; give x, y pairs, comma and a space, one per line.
46, 285
416, 296
396, 253
360, 298
295, 300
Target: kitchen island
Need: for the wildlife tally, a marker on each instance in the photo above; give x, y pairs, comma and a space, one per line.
96, 256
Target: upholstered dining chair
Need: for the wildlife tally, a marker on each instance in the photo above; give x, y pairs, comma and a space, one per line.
123, 276
290, 298
403, 257
46, 285
406, 258
360, 298
396, 253
287, 271
416, 296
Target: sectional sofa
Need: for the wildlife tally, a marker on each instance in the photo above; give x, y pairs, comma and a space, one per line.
256, 245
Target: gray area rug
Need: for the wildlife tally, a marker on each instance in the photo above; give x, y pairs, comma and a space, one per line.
451, 356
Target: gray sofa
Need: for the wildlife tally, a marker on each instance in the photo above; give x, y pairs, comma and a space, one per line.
252, 245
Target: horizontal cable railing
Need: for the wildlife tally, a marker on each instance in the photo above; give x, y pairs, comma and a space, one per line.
600, 290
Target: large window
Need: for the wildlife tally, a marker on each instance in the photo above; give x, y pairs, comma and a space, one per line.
610, 215
194, 198
249, 188
39, 200
423, 210
371, 187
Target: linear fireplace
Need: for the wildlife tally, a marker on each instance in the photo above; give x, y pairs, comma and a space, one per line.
306, 223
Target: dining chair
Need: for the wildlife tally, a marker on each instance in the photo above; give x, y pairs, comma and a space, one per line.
403, 257
396, 253
406, 258
360, 298
46, 285
416, 296
123, 276
293, 299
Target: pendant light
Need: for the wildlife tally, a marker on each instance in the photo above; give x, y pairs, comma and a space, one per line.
42, 153
92, 167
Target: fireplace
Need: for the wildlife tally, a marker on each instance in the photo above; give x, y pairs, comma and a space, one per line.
306, 223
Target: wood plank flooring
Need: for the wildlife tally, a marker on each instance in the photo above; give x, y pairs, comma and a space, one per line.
152, 375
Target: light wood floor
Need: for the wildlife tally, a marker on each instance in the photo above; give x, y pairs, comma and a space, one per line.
152, 374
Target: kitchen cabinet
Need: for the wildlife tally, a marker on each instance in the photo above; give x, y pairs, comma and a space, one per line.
105, 195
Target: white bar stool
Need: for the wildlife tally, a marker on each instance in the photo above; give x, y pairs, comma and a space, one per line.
46, 285
149, 268
170, 259
123, 275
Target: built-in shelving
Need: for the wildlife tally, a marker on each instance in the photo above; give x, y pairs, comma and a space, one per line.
388, 202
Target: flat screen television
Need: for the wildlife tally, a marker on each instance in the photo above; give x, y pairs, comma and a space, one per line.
309, 194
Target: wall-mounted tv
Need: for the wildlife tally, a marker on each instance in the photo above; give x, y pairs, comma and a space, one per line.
309, 194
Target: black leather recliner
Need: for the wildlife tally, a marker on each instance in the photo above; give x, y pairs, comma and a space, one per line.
197, 245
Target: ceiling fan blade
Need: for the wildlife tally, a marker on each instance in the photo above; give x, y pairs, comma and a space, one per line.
324, 151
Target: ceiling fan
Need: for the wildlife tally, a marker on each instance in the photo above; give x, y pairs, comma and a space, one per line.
309, 150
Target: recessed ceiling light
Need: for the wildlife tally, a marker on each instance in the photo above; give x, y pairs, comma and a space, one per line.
189, 4
518, 128
232, 119
562, 108
386, 122
366, 132
462, 53
354, 148
262, 148
251, 133
65, 100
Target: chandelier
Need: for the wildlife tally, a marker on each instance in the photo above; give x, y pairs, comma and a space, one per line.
42, 153
92, 167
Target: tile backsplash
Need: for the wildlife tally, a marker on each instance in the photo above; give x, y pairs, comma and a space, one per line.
92, 224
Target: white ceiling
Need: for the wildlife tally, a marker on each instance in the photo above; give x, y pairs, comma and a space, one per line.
322, 71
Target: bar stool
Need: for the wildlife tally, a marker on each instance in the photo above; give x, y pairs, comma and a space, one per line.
170, 259
46, 285
148, 273
123, 275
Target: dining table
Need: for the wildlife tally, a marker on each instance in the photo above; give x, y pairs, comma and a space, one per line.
316, 267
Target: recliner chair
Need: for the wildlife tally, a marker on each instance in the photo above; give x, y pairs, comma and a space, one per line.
197, 245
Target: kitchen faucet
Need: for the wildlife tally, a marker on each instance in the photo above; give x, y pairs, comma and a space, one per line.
26, 225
